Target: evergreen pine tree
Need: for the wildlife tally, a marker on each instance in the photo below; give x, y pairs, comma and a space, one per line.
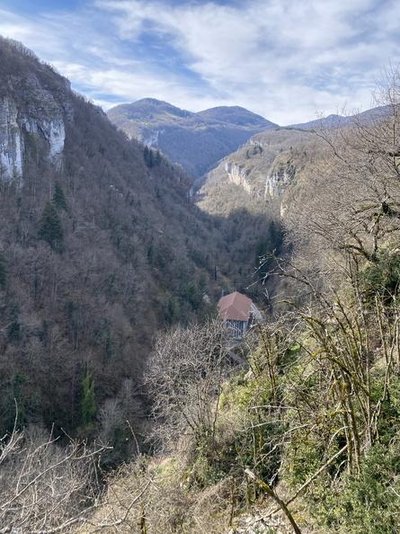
157, 158
14, 326
3, 272
148, 156
50, 228
88, 406
59, 200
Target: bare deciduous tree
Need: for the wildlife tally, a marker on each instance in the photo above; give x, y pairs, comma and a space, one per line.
185, 374
45, 487
350, 206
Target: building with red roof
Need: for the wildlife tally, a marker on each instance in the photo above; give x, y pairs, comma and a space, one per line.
238, 313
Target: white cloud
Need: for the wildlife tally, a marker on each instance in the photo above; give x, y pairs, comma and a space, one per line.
264, 53
282, 58
130, 86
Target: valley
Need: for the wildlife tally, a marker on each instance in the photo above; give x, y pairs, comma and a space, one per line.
197, 141
125, 404
101, 247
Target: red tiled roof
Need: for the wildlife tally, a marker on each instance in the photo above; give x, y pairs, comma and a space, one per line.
234, 307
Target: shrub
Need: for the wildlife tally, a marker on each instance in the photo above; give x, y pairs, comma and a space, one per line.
382, 278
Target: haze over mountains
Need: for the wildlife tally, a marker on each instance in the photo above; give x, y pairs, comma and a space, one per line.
197, 141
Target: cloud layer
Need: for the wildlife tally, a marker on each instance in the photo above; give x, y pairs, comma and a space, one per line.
284, 59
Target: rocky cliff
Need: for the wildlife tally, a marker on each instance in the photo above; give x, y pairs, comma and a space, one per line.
16, 127
238, 174
266, 168
11, 142
35, 105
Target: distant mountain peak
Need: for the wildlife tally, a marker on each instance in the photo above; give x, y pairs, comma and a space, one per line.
236, 115
149, 106
197, 141
229, 109
334, 121
151, 100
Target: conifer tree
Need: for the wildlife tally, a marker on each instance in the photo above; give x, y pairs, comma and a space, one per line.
148, 156
59, 200
88, 406
3, 272
50, 228
157, 158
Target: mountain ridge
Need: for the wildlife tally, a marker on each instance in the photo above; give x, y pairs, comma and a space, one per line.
90, 231
197, 141
336, 121
268, 166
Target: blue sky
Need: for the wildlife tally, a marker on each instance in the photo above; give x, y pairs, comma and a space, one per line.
288, 60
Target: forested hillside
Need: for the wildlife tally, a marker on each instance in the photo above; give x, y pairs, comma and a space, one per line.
197, 141
125, 405
100, 247
304, 437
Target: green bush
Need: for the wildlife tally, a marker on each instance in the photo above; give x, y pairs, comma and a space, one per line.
248, 432
368, 503
382, 278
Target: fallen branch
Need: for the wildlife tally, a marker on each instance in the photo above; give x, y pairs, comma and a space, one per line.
308, 482
269, 491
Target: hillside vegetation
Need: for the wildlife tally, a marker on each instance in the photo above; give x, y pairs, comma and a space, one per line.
125, 406
99, 248
197, 141
309, 429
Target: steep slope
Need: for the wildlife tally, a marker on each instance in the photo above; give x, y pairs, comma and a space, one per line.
99, 247
197, 141
274, 167
296, 176
269, 176
323, 443
260, 172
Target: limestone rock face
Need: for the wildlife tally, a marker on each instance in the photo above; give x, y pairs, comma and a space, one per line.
13, 130
279, 179
149, 138
237, 174
54, 132
35, 107
269, 168
11, 141
15, 125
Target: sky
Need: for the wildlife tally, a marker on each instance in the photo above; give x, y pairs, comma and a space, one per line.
288, 60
